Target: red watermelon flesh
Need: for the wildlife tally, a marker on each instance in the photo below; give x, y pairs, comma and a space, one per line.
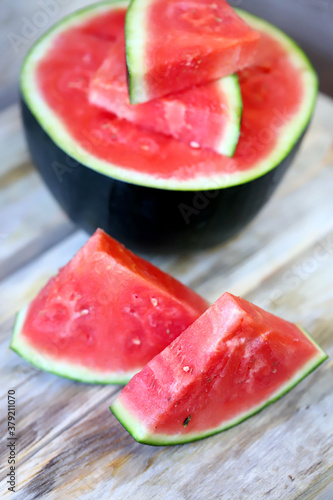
177, 44
273, 93
206, 116
105, 315
232, 361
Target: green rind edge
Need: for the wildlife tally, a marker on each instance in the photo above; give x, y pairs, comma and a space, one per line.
53, 127
235, 95
137, 431
63, 369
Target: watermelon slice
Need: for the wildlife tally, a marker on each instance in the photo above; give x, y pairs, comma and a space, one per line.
174, 45
104, 316
230, 363
207, 116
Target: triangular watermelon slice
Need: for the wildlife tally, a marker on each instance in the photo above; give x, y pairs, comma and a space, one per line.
207, 116
230, 363
104, 316
173, 45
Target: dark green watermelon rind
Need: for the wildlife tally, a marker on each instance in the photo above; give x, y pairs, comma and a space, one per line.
50, 364
55, 129
140, 434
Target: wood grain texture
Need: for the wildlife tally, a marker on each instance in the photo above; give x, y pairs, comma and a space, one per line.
13, 149
21, 24
70, 446
31, 221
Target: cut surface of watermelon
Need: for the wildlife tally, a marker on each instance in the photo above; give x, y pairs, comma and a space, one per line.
230, 363
104, 316
278, 97
206, 116
174, 45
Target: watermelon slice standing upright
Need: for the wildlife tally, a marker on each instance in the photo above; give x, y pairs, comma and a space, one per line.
207, 116
173, 45
104, 316
230, 363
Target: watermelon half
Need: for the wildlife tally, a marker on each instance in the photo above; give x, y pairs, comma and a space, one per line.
174, 45
147, 190
229, 364
207, 116
104, 316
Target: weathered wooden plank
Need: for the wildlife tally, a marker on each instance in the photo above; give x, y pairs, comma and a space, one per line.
12, 144
283, 452
18, 290
287, 226
21, 23
316, 151
32, 222
22, 286
239, 265
47, 406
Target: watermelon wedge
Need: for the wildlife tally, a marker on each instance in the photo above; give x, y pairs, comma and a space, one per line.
104, 316
229, 364
174, 45
207, 116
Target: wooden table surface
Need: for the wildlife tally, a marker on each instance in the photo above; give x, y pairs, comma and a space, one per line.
70, 446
